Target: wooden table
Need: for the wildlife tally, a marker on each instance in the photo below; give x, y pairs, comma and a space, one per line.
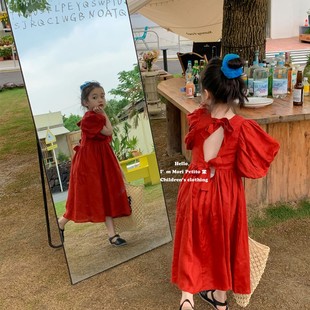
289, 176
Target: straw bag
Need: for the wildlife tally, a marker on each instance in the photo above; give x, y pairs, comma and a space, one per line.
258, 258
136, 219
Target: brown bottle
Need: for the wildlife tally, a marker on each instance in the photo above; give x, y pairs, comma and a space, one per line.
298, 92
288, 64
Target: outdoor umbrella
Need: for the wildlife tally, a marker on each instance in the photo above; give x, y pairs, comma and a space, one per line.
197, 20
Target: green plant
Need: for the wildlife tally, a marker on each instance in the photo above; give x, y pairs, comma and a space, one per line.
5, 51
123, 145
4, 17
71, 121
6, 40
307, 31
26, 7
62, 157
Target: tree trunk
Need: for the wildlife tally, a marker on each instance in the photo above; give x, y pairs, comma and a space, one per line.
244, 28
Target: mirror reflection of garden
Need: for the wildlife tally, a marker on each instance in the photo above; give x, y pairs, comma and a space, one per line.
131, 138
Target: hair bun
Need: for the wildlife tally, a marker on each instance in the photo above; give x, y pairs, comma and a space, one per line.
235, 63
232, 66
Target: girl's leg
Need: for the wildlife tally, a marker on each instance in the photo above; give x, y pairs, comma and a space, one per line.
215, 297
186, 304
220, 296
110, 226
62, 221
114, 238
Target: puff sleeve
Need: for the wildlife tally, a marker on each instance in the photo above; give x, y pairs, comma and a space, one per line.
91, 124
256, 150
193, 120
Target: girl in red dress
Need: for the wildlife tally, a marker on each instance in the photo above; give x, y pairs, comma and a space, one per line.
211, 252
96, 189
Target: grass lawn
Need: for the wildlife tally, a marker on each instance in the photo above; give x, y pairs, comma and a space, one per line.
15, 117
280, 213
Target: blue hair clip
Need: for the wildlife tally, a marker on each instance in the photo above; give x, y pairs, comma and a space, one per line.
229, 72
85, 84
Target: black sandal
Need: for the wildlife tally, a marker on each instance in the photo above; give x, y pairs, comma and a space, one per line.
186, 300
62, 235
118, 241
213, 302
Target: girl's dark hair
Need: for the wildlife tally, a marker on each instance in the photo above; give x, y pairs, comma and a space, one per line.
86, 88
224, 90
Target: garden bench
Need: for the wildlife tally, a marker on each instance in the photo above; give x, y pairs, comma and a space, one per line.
141, 167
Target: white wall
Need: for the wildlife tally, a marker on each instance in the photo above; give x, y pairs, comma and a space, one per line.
287, 16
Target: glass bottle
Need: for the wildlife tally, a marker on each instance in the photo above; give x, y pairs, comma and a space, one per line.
260, 81
189, 71
279, 83
306, 86
298, 93
202, 65
196, 78
288, 65
270, 77
190, 89
250, 77
294, 75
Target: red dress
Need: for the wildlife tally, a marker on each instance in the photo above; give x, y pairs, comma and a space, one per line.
96, 187
211, 238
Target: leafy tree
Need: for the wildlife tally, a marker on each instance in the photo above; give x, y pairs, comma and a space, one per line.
71, 122
113, 108
130, 88
26, 7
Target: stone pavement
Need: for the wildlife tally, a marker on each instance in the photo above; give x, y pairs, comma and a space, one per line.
9, 65
10, 73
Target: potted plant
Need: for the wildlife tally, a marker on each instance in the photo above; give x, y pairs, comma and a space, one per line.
4, 18
6, 47
6, 40
6, 52
149, 58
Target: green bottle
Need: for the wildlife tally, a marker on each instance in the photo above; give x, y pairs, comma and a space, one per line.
306, 72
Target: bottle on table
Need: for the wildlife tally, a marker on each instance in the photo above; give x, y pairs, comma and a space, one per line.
189, 87
256, 54
245, 73
260, 81
189, 71
281, 56
294, 75
270, 77
288, 65
202, 65
250, 77
298, 93
279, 83
306, 86
196, 78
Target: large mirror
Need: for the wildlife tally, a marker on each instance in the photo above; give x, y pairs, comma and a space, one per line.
59, 49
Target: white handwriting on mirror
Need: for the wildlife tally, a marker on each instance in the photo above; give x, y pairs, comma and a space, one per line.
68, 12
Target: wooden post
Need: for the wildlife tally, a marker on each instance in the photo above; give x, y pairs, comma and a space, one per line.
174, 143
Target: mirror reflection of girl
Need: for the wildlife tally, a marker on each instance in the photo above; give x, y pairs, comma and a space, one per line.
96, 188
211, 252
